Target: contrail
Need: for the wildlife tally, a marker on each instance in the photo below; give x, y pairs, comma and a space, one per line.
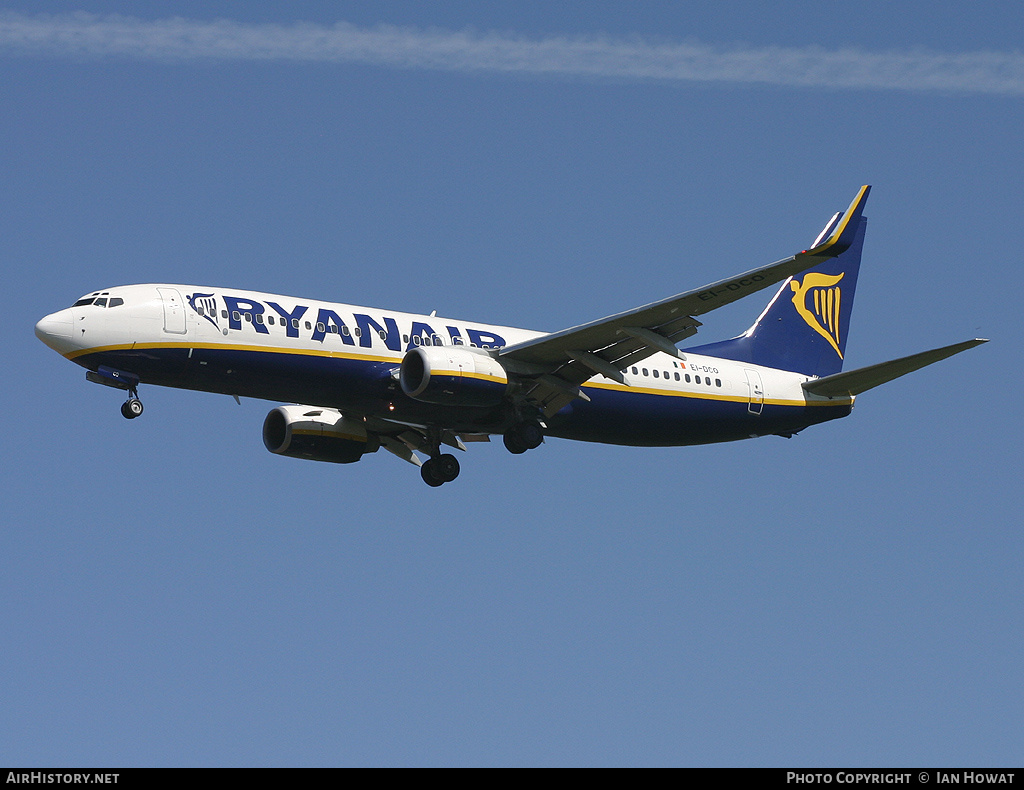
88, 36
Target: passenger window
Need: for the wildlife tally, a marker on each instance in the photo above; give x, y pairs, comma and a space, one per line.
224, 313
270, 320
357, 332
259, 318
248, 317
677, 375
707, 380
236, 316
319, 326
310, 326
656, 374
718, 382
344, 331
295, 323
644, 370
634, 371
687, 378
416, 340
383, 334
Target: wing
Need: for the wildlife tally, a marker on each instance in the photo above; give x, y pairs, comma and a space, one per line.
555, 365
402, 439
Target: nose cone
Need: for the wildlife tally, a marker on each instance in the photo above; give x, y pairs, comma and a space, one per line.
55, 330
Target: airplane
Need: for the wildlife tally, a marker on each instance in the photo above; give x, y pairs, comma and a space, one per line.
358, 379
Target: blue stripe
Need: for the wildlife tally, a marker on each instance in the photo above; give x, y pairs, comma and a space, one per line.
367, 387
641, 419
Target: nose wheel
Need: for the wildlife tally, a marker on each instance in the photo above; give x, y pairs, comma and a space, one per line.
131, 408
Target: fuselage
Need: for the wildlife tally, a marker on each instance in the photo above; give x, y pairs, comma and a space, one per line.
346, 357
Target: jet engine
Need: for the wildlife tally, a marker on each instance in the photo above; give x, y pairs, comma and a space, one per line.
317, 434
453, 376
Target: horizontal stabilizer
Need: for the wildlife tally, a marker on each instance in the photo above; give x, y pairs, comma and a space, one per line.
854, 382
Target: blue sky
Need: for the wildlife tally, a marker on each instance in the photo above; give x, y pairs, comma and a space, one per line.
175, 595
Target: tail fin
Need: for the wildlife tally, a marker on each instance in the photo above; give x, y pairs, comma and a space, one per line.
805, 325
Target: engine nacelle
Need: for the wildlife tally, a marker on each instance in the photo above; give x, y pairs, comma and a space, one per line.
453, 375
317, 434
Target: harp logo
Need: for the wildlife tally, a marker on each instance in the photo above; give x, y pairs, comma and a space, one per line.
822, 315
206, 306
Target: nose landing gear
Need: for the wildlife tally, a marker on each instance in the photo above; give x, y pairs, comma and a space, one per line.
131, 408
120, 380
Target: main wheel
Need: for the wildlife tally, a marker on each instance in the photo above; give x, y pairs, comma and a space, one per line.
523, 436
513, 442
131, 408
429, 473
531, 434
447, 466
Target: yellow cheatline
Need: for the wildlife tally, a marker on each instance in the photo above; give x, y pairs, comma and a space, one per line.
715, 396
375, 358
349, 436
455, 374
485, 377
311, 352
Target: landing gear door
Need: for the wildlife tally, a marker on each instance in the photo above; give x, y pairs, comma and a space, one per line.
174, 311
756, 391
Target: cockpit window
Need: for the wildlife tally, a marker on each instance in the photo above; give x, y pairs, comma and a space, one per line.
114, 301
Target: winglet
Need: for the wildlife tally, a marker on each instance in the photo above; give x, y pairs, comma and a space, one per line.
841, 229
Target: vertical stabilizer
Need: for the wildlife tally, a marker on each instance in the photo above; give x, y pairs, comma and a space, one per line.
804, 327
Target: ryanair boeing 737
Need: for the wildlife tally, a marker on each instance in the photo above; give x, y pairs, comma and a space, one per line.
368, 379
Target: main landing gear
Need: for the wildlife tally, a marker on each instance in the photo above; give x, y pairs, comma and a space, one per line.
443, 468
439, 470
523, 436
